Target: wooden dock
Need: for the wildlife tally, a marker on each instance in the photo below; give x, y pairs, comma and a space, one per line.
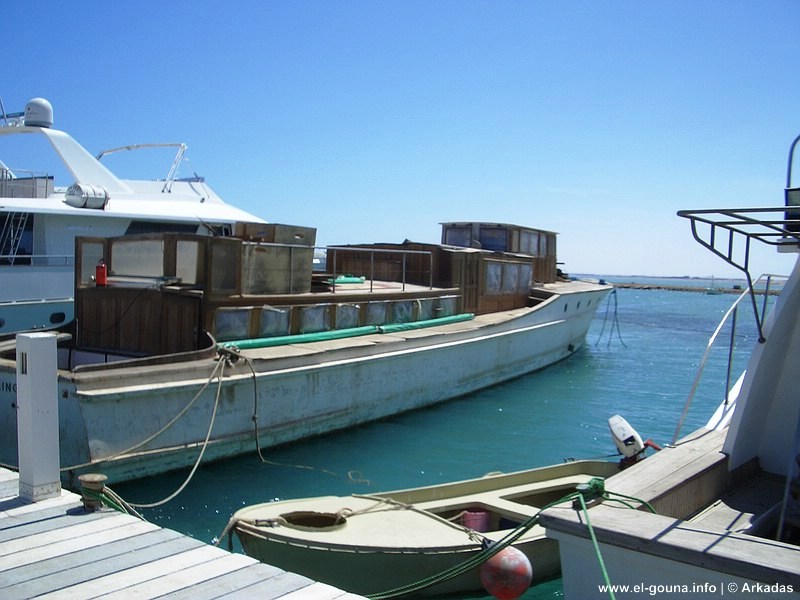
54, 548
51, 546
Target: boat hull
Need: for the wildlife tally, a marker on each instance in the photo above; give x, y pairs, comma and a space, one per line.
291, 392
375, 544
374, 571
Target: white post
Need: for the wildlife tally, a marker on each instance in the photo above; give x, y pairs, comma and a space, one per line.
37, 416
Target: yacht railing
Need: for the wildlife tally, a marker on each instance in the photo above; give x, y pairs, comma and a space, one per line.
36, 260
730, 314
372, 252
729, 233
176, 162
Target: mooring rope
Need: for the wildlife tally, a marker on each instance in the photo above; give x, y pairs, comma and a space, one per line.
220, 366
202, 450
595, 489
353, 476
614, 322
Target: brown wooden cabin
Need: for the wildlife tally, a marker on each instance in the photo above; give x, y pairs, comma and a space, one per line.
165, 290
492, 264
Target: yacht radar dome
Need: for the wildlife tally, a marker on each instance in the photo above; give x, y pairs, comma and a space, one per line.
39, 113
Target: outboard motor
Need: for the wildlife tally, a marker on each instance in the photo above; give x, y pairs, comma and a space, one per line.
628, 442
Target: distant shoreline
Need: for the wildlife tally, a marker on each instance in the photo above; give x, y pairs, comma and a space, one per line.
688, 288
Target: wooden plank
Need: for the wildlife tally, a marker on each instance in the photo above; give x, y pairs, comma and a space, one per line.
55, 549
70, 570
227, 584
17, 513
58, 565
315, 591
43, 550
737, 554
180, 580
276, 587
18, 510
55, 518
9, 481
73, 533
137, 574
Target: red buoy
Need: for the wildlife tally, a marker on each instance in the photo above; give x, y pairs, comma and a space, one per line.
507, 575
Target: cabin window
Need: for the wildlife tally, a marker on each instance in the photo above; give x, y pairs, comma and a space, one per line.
447, 306
510, 283
458, 236
547, 245
314, 318
524, 278
91, 253
274, 321
232, 323
403, 312
143, 258
224, 265
494, 277
187, 262
375, 313
426, 309
529, 242
507, 277
347, 315
494, 238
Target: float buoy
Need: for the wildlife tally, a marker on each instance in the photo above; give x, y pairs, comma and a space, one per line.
507, 575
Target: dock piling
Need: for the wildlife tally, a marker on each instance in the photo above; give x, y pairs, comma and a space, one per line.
37, 416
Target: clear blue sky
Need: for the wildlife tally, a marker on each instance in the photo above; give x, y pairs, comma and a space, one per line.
375, 121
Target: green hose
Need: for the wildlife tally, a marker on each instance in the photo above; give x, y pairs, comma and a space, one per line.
337, 334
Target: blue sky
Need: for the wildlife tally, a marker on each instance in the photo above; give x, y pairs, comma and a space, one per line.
376, 121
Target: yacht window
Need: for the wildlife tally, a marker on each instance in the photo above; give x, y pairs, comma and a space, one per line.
157, 227
16, 238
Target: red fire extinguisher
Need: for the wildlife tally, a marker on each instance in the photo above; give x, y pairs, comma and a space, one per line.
101, 273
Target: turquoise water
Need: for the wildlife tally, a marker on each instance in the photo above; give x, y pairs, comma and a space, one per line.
643, 370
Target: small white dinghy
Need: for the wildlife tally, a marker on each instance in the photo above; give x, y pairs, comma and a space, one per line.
372, 544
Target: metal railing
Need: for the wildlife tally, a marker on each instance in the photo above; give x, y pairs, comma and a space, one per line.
730, 232
37, 260
372, 252
730, 314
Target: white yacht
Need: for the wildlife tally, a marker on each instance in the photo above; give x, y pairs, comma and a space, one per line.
40, 214
726, 498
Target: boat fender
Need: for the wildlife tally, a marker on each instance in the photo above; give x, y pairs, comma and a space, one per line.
507, 574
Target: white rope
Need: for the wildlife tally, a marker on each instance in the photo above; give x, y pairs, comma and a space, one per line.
217, 367
202, 451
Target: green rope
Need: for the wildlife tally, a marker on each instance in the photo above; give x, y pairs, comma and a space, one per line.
596, 545
594, 489
111, 500
102, 498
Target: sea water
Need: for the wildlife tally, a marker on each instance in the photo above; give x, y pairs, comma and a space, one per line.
640, 360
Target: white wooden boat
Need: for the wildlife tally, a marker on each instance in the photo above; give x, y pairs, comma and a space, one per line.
52, 190
727, 496
373, 544
209, 347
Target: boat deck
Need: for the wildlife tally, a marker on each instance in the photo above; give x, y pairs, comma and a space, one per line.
55, 549
711, 537
739, 509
